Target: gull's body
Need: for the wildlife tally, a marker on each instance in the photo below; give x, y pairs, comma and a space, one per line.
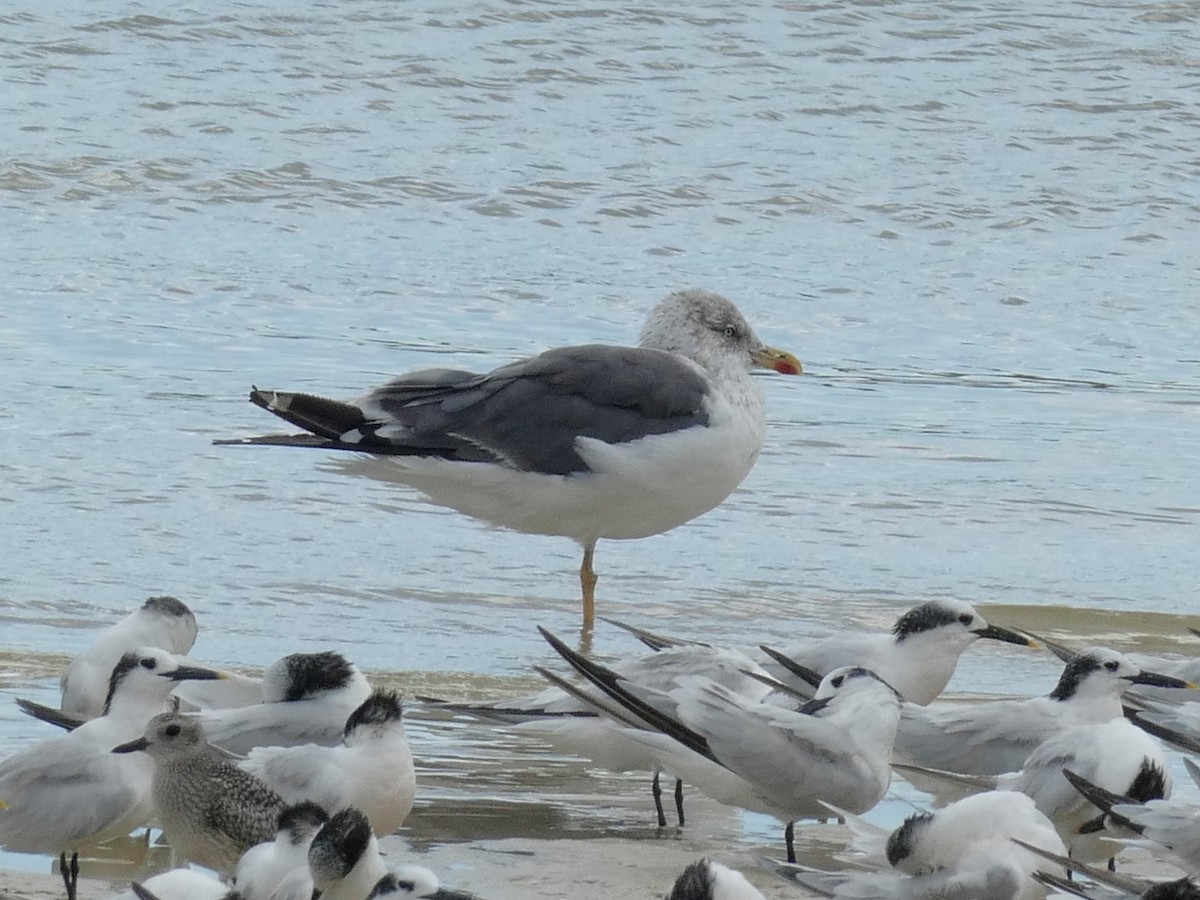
69, 791
264, 866
709, 880
754, 755
992, 737
306, 699
371, 770
211, 812
961, 852
162, 622
586, 442
918, 657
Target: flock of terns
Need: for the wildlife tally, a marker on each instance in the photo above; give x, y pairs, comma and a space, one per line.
279, 787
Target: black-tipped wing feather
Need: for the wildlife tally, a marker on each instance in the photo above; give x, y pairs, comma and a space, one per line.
526, 415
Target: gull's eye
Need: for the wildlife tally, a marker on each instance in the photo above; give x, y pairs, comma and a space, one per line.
172, 731
730, 331
1111, 665
149, 664
965, 618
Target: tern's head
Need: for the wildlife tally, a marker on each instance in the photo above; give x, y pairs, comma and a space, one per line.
168, 735
375, 716
708, 880
148, 674
299, 822
302, 676
168, 622
339, 846
1100, 672
903, 842
1180, 889
413, 881
709, 330
950, 623
847, 680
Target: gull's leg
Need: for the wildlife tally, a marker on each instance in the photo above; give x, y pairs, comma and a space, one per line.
789, 837
587, 580
656, 790
679, 800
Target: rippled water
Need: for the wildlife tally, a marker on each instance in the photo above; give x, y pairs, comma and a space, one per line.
975, 223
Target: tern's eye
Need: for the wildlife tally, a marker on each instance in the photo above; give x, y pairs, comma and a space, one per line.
1111, 665
172, 731
149, 664
966, 618
839, 681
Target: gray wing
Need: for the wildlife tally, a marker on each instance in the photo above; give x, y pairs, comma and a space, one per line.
526, 415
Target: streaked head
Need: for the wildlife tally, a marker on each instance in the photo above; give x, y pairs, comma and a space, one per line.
1099, 671
153, 671
300, 821
952, 620
709, 330
302, 676
338, 847
378, 712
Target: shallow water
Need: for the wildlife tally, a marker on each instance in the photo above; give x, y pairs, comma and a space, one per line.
974, 223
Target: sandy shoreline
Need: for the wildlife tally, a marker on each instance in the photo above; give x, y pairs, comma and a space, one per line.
512, 869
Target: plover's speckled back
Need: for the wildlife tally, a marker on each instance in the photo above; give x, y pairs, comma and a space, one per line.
210, 810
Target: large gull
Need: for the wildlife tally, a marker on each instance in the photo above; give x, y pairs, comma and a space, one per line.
588, 442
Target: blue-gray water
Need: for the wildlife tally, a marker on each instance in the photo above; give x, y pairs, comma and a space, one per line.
975, 223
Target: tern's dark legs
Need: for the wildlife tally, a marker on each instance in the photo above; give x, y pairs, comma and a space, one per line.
656, 790
70, 873
789, 836
679, 800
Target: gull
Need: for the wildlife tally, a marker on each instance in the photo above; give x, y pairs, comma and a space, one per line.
211, 812
344, 864
917, 657
68, 791
585, 442
262, 867
741, 752
964, 850
1116, 755
306, 699
709, 880
991, 737
372, 769
162, 622
1173, 825
572, 726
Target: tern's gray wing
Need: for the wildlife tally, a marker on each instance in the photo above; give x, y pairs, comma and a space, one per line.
982, 738
998, 882
239, 730
526, 415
